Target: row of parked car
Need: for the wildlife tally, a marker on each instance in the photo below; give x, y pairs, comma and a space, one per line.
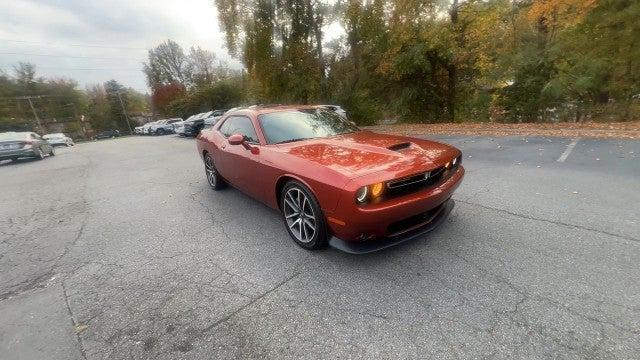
195, 123
189, 127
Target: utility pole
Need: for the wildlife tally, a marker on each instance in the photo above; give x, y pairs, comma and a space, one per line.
125, 113
35, 114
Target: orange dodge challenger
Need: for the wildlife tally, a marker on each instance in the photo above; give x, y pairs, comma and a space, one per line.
333, 183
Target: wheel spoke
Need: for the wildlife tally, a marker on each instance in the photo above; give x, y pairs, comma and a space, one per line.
310, 224
300, 196
293, 214
292, 202
291, 205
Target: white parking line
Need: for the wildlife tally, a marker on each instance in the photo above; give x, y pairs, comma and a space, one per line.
570, 147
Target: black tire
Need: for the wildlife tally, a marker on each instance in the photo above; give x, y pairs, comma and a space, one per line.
213, 177
313, 217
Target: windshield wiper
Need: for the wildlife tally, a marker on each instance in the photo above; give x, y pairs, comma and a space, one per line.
292, 140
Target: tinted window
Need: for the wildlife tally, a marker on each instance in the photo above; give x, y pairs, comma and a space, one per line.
288, 126
239, 125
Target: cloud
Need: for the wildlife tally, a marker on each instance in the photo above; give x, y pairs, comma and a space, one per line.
107, 35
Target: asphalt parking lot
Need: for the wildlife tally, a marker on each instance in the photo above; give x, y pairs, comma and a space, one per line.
118, 249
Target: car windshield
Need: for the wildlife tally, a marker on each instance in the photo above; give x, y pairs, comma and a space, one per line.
294, 125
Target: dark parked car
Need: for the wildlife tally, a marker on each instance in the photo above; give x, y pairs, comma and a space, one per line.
14, 145
107, 134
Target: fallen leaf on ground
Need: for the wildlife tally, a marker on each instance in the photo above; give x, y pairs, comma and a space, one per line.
81, 328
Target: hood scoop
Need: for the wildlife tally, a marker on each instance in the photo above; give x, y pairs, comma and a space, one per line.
398, 147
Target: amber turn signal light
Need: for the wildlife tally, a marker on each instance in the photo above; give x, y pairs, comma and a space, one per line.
376, 189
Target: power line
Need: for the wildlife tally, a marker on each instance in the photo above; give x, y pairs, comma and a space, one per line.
67, 56
76, 45
77, 69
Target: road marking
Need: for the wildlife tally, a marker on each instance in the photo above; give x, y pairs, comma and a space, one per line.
570, 147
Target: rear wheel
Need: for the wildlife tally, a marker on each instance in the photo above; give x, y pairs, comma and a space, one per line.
302, 216
213, 177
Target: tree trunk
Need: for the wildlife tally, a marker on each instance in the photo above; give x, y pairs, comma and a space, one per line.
451, 67
451, 94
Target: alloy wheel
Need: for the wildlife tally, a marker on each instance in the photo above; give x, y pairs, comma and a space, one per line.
210, 171
299, 215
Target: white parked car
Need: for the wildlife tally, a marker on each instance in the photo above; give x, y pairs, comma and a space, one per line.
163, 127
146, 127
59, 139
336, 109
213, 118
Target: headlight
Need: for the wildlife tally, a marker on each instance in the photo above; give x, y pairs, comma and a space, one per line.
361, 194
369, 192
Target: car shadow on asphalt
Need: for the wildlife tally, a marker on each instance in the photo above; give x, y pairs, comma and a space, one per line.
18, 161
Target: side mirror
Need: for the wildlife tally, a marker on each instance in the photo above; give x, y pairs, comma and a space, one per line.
236, 139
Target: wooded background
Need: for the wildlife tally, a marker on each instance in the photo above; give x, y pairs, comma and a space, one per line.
405, 60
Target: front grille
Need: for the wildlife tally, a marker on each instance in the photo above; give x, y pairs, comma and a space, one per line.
414, 183
417, 182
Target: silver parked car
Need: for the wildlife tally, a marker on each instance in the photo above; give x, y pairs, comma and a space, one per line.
336, 109
14, 145
58, 139
163, 127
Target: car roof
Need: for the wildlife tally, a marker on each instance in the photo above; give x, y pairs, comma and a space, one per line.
14, 135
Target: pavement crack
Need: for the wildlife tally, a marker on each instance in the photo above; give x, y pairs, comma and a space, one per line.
73, 321
35, 283
560, 223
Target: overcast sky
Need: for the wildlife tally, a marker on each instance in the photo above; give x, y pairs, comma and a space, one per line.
72, 38
93, 41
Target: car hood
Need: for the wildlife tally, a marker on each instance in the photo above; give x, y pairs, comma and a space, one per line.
365, 152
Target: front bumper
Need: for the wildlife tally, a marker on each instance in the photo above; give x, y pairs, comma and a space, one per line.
437, 217
391, 218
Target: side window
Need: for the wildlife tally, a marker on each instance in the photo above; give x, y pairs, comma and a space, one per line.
239, 125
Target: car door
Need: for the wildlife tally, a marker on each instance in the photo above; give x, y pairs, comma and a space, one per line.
236, 163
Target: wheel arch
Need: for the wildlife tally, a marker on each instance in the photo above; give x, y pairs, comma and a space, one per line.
283, 180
